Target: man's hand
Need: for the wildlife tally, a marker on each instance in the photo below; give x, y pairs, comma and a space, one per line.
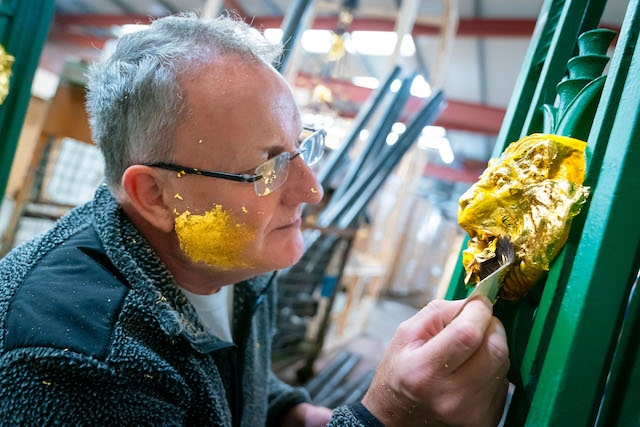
307, 415
443, 370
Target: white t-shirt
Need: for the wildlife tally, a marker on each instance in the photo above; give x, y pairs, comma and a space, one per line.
215, 311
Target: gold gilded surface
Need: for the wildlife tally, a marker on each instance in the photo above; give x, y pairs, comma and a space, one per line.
6, 61
530, 194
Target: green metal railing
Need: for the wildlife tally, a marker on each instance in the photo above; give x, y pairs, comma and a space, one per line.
574, 340
24, 26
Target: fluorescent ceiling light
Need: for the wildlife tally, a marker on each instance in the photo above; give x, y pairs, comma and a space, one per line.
392, 138
395, 85
440, 143
313, 41
121, 30
317, 41
371, 43
446, 154
365, 81
273, 35
425, 142
381, 43
407, 48
434, 131
420, 87
398, 127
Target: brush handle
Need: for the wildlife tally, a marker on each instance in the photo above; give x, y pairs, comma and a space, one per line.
487, 287
490, 285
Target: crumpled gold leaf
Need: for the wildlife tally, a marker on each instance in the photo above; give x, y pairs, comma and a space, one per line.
529, 194
6, 61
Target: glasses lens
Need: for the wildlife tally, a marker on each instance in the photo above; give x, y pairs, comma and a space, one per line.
312, 146
274, 173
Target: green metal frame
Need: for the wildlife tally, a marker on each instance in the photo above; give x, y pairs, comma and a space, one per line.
24, 26
574, 340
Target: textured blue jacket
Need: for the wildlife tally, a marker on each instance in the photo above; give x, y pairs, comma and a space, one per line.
93, 331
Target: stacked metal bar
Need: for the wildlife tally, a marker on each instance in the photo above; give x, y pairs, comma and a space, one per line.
301, 286
339, 382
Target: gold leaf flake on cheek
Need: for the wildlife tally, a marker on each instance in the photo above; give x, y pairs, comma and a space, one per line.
244, 210
200, 142
314, 190
181, 173
178, 196
215, 238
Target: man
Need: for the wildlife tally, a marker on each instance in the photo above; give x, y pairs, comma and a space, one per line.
155, 304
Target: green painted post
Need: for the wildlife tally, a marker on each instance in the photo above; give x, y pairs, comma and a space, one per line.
588, 323
619, 405
563, 336
24, 28
597, 144
620, 400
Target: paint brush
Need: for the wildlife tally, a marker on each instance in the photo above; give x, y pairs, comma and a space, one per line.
494, 270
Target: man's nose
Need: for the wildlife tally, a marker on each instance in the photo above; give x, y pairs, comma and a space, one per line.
303, 183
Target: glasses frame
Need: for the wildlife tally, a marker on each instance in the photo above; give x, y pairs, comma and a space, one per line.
244, 177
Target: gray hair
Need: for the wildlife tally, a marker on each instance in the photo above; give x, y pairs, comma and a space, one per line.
134, 98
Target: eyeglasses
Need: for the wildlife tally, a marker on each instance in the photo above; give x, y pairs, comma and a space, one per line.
270, 175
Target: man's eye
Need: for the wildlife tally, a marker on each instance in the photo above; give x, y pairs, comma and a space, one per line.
303, 135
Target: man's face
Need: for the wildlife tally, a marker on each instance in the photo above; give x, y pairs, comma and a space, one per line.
240, 115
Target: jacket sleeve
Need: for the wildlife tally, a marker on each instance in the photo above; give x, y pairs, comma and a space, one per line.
353, 415
37, 389
282, 397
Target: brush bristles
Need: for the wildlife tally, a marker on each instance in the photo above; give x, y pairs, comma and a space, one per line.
505, 254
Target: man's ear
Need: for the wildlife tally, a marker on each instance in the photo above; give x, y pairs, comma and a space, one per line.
143, 187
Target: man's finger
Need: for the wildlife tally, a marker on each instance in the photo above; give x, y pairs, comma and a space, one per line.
492, 356
432, 319
460, 339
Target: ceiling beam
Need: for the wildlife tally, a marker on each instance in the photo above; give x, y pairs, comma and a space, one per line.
458, 115
472, 27
468, 172
471, 117
99, 20
83, 40
234, 6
